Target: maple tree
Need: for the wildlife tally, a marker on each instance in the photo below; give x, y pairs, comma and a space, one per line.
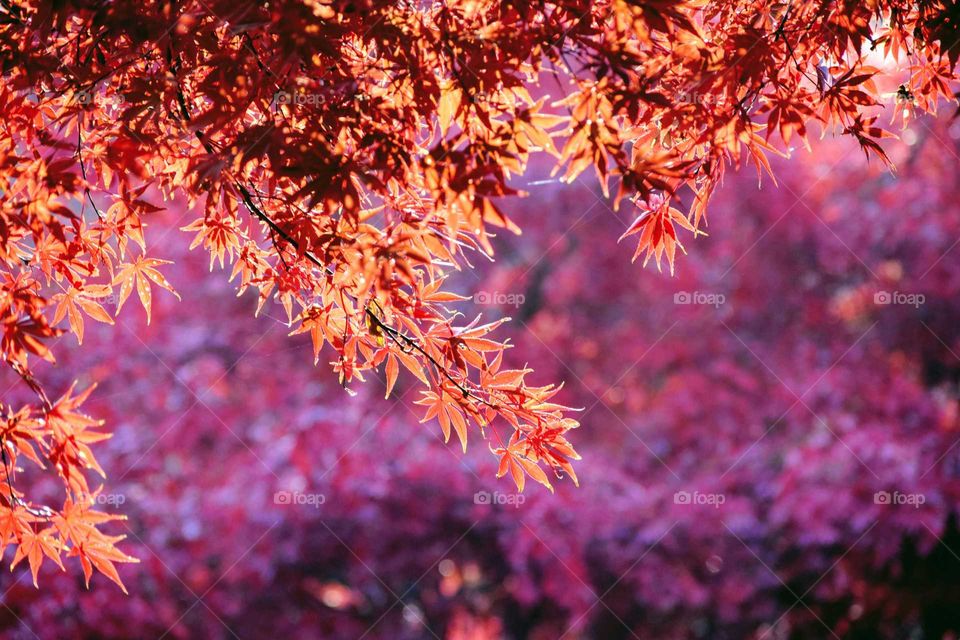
345, 158
214, 412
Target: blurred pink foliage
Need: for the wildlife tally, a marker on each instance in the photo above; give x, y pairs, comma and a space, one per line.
739, 420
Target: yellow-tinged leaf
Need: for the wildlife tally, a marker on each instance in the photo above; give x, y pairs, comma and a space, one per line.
449, 104
393, 369
518, 478
535, 472
139, 273
460, 425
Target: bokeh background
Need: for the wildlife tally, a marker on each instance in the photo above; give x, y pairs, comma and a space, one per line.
769, 436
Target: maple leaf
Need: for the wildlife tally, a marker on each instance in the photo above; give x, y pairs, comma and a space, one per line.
20, 432
864, 131
73, 301
218, 235
441, 406
943, 28
658, 235
78, 524
72, 434
139, 274
392, 371
11, 526
34, 547
100, 552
